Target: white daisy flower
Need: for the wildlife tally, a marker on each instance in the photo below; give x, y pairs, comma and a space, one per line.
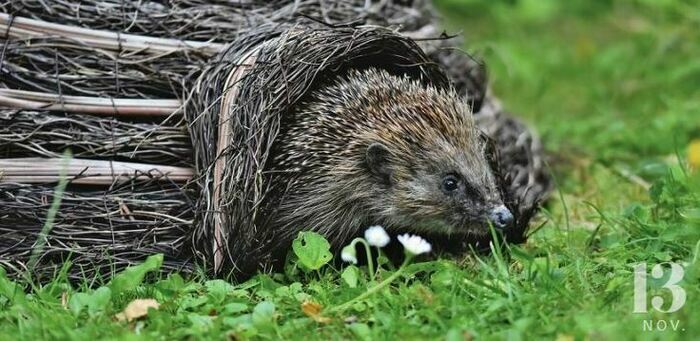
376, 236
348, 254
413, 244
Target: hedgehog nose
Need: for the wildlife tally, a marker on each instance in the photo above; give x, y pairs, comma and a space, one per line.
501, 217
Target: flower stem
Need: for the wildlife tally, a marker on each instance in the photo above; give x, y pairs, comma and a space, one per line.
370, 260
368, 251
375, 288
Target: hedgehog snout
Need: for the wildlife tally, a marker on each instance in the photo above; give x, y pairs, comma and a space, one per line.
501, 217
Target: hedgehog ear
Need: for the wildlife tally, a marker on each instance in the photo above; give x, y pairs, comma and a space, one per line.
378, 161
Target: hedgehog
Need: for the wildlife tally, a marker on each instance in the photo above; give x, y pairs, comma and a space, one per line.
376, 148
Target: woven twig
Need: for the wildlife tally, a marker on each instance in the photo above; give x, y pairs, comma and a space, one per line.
99, 230
60, 66
21, 99
80, 171
48, 134
22, 28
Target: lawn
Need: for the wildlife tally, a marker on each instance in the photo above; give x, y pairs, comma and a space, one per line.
613, 88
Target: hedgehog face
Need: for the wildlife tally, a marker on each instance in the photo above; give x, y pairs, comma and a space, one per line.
450, 189
458, 202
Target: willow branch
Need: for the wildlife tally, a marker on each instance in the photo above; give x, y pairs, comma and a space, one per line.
85, 171
22, 28
21, 99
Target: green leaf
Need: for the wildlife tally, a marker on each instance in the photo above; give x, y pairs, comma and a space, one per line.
100, 299
200, 322
10, 289
133, 276
455, 334
95, 302
350, 275
312, 250
172, 285
361, 331
234, 308
218, 290
263, 314
443, 278
241, 325
77, 302
192, 302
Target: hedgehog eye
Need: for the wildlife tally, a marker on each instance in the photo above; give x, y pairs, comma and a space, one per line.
450, 183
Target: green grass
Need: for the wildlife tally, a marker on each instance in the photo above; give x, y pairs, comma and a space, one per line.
614, 90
